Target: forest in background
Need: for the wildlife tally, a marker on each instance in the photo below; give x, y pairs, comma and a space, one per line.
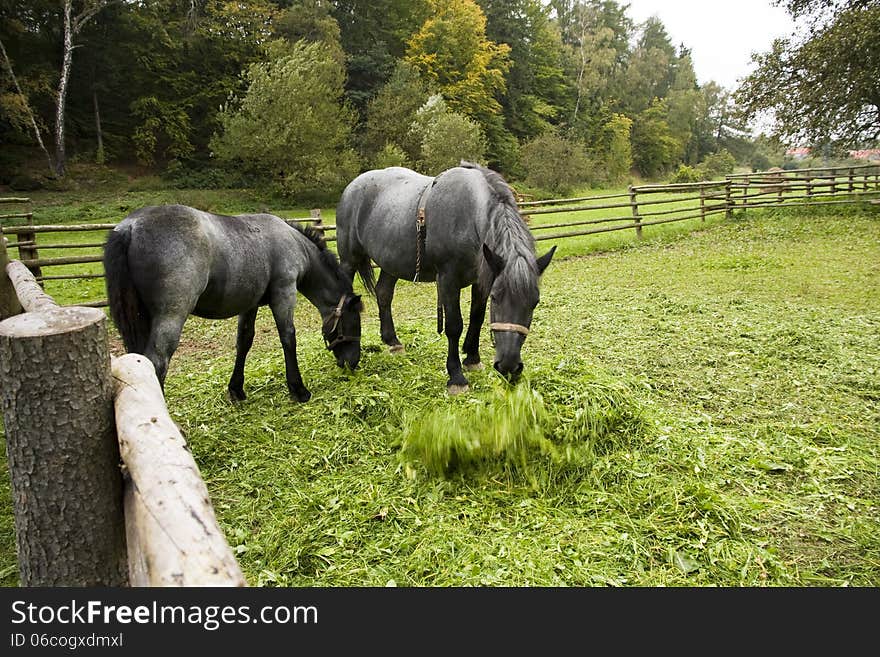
304, 94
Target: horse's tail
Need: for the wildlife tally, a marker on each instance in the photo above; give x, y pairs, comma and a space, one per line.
364, 268
126, 306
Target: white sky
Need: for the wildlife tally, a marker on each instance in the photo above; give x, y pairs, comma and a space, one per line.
721, 34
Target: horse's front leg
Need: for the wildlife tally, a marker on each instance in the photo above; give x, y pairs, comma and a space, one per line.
243, 344
449, 296
471, 346
283, 314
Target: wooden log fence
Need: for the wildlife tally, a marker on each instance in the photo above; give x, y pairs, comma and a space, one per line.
648, 205
105, 491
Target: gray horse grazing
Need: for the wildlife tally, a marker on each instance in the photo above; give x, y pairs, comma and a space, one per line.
462, 228
164, 263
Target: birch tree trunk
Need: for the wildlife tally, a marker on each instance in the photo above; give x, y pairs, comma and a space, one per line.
27, 106
72, 26
66, 63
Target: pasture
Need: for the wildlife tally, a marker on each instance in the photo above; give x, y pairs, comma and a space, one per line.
700, 409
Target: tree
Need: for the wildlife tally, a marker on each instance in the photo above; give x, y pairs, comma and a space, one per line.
824, 87
595, 36
373, 34
684, 100
292, 122
32, 21
536, 89
655, 149
454, 57
651, 69
391, 113
17, 108
613, 152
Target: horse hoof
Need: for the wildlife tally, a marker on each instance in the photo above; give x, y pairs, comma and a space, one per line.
235, 397
473, 367
457, 390
301, 396
397, 349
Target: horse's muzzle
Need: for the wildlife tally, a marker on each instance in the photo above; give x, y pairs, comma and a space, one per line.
509, 369
348, 355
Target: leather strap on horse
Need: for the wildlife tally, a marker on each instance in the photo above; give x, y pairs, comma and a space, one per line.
421, 228
421, 233
508, 327
334, 319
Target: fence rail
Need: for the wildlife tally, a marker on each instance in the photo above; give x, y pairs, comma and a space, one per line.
647, 205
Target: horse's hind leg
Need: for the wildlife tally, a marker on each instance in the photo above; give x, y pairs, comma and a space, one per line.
242, 346
471, 346
384, 296
164, 337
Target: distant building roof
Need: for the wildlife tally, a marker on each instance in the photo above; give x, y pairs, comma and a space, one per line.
798, 153
872, 154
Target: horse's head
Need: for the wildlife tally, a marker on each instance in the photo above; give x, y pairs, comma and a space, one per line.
342, 331
514, 294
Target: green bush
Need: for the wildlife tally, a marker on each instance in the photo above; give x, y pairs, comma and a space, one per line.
555, 164
391, 155
686, 174
451, 138
716, 165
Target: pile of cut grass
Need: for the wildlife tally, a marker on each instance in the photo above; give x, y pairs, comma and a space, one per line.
563, 420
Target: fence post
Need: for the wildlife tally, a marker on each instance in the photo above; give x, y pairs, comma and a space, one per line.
728, 199
635, 212
809, 188
852, 175
745, 194
27, 249
703, 204
57, 399
315, 213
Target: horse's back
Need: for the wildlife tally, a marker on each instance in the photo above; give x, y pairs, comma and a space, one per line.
216, 266
377, 214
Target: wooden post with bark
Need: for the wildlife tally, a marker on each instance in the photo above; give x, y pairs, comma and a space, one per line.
728, 200
318, 223
57, 399
637, 220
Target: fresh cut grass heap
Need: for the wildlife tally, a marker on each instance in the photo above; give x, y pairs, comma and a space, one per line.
563, 421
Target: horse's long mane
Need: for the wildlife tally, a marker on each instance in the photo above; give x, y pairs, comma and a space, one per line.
326, 256
508, 236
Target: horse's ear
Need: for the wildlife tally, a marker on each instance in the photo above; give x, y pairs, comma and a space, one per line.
545, 259
496, 264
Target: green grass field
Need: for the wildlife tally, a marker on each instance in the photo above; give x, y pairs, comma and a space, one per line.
699, 409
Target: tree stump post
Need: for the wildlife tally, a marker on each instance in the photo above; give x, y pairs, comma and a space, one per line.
57, 399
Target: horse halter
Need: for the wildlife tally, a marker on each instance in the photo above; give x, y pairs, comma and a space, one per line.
507, 327
334, 319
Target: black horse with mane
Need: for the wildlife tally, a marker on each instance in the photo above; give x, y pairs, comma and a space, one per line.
164, 263
461, 228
